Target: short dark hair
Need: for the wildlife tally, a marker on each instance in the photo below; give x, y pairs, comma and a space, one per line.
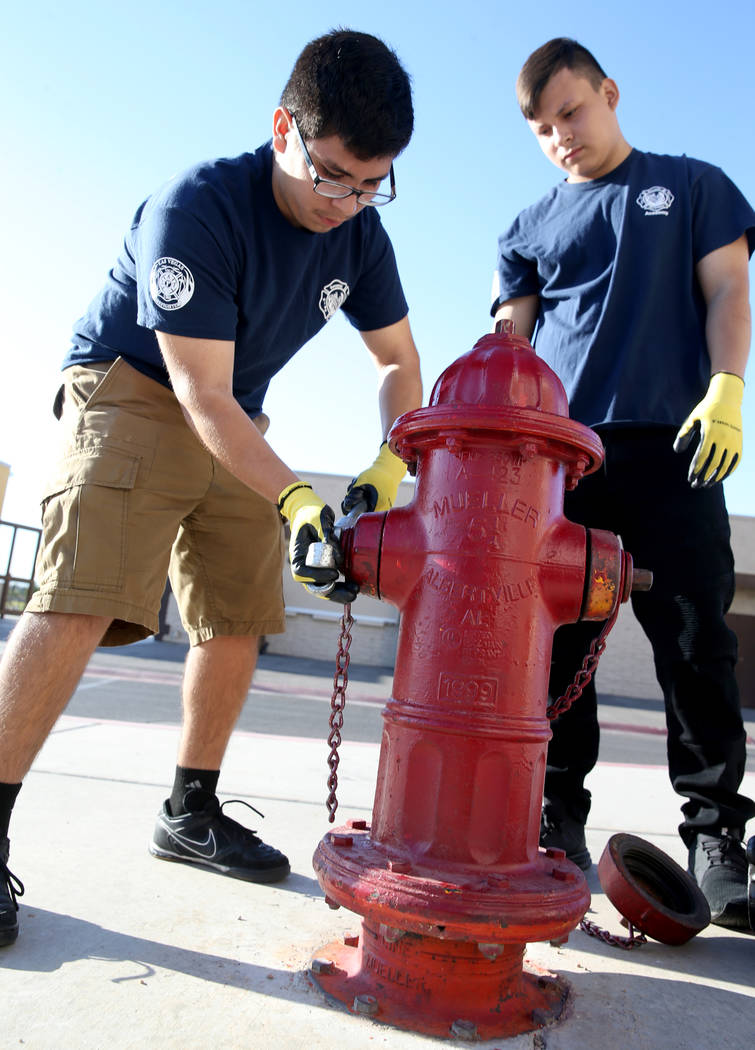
560, 53
352, 85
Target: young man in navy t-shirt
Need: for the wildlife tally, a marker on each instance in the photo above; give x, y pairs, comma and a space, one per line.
225, 273
631, 276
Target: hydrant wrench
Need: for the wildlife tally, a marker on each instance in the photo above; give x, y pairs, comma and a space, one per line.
327, 554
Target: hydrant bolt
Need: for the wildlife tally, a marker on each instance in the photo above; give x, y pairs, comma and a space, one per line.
642, 579
322, 966
490, 951
391, 934
563, 875
464, 1029
555, 853
365, 1004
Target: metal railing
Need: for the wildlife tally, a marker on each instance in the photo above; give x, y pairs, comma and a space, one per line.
18, 586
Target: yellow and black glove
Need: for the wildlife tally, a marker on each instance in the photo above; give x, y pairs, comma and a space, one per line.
717, 421
311, 521
378, 485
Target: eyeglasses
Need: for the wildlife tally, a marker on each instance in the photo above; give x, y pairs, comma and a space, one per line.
337, 190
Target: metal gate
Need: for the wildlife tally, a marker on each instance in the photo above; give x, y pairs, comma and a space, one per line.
19, 545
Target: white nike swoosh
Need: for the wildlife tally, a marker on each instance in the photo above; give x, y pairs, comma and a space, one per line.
208, 848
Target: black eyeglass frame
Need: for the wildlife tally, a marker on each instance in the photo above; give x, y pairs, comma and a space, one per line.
317, 180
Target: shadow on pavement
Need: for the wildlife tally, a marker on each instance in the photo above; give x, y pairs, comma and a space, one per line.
622, 1005
49, 940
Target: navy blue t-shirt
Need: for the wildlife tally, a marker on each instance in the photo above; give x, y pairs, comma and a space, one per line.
211, 256
621, 315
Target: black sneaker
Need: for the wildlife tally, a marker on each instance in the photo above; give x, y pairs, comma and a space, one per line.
566, 833
10, 889
209, 839
719, 866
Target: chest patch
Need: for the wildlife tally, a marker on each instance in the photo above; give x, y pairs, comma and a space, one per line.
332, 297
171, 283
656, 200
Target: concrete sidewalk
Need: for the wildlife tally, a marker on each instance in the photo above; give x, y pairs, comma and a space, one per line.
118, 950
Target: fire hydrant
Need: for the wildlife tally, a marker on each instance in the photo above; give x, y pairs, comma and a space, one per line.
482, 564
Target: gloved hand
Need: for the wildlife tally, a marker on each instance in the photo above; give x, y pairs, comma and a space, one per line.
717, 419
378, 485
311, 521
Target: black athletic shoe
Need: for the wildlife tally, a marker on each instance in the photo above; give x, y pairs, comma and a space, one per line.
566, 833
719, 866
10, 889
209, 839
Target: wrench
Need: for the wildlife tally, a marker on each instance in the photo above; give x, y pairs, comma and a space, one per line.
327, 554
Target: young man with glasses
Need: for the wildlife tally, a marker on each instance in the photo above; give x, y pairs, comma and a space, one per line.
226, 272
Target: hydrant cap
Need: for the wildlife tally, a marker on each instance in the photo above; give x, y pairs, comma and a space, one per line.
501, 371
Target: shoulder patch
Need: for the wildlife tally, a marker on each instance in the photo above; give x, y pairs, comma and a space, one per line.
332, 297
656, 200
171, 283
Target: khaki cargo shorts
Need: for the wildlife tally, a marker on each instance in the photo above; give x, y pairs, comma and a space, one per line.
134, 496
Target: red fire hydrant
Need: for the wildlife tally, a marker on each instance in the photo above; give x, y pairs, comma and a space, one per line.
449, 877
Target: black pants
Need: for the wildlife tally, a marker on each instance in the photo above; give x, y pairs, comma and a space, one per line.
682, 534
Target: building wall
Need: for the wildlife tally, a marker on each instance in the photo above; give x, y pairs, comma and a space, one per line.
4, 475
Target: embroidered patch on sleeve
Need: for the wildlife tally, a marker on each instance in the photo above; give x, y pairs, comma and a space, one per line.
171, 283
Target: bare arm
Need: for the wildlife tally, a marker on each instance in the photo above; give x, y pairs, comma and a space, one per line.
724, 279
201, 372
397, 362
522, 311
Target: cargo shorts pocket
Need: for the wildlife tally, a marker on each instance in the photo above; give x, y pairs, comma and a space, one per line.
85, 518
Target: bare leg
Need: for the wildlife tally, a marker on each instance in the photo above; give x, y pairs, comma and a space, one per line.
216, 682
43, 661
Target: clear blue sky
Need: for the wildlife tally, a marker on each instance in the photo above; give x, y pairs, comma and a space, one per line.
102, 102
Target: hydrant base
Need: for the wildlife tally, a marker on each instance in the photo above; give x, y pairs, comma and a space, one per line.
439, 988
537, 901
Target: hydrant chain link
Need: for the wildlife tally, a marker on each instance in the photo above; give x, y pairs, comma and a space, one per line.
634, 940
337, 704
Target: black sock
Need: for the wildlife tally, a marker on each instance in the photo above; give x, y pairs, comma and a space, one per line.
200, 780
8, 794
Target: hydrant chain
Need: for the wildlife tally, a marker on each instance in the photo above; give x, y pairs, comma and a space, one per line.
634, 940
337, 704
